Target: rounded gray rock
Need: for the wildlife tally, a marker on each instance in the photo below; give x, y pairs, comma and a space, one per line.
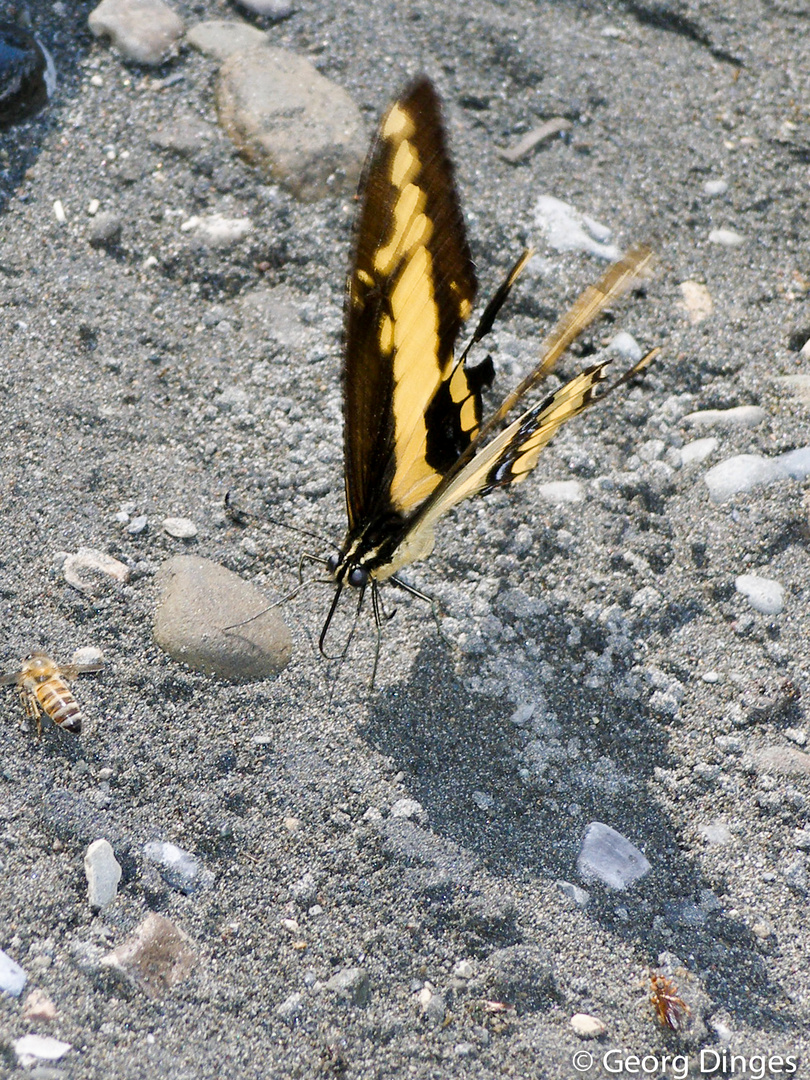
105, 230
144, 31
215, 622
222, 37
303, 130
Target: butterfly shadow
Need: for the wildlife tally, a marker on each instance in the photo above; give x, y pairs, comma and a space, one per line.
502, 826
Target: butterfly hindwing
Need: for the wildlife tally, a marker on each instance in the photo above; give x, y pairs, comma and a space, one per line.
409, 410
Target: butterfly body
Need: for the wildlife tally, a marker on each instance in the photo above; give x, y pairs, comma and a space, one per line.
414, 443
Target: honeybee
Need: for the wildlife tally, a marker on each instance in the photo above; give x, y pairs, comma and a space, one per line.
42, 684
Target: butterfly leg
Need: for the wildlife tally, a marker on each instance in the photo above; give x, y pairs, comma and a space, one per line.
434, 605
306, 557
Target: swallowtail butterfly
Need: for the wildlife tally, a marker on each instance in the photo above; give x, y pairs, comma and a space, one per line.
414, 442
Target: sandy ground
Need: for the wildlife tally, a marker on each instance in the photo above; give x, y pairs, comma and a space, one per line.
560, 695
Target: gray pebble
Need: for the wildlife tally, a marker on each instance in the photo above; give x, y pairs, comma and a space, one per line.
587, 1027
698, 450
744, 472
88, 568
157, 956
464, 1050
291, 1009
217, 623
105, 230
303, 130
217, 232
782, 760
304, 890
138, 525
180, 528
609, 857
408, 809
581, 897
103, 872
183, 135
351, 984
270, 9
523, 976
33, 1048
434, 1007
221, 37
144, 31
743, 416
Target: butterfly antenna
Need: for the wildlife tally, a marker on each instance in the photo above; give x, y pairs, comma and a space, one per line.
242, 517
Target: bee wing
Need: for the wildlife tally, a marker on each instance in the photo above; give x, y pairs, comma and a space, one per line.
11, 677
71, 671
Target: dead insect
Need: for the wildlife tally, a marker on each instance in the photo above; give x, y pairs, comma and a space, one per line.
42, 684
671, 1010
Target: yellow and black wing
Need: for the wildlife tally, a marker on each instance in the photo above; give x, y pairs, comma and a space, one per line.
414, 444
410, 412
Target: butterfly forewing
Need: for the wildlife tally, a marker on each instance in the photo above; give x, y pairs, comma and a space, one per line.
408, 412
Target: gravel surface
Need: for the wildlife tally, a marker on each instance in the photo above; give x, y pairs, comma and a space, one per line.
384, 882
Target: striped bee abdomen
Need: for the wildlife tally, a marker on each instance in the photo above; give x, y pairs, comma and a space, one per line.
59, 704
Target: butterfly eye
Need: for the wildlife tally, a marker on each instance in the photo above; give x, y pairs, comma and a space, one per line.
358, 577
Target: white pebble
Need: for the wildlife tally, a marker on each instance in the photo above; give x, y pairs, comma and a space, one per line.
179, 869
561, 491
581, 897
407, 808
697, 301
86, 655
218, 231
698, 450
647, 598
726, 238
609, 857
744, 472
742, 416
716, 833
93, 207
103, 874
626, 346
566, 229
763, 594
179, 527
715, 187
587, 1027
463, 970
12, 976
33, 1048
